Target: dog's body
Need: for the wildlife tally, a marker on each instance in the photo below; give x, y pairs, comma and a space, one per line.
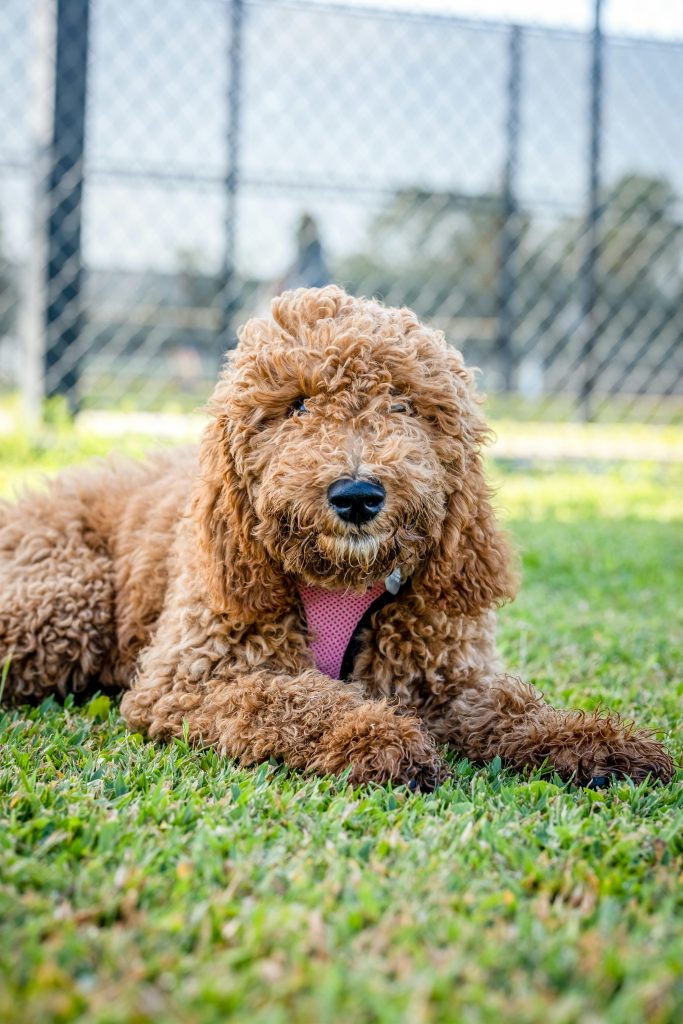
344, 450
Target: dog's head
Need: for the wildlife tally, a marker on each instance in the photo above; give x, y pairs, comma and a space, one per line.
345, 445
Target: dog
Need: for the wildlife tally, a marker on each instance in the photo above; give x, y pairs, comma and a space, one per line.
318, 585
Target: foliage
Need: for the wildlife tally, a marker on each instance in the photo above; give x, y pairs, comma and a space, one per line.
438, 252
150, 883
441, 252
8, 299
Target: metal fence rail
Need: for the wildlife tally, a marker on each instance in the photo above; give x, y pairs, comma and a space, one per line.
165, 168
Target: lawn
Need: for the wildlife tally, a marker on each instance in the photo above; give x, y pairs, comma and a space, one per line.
145, 883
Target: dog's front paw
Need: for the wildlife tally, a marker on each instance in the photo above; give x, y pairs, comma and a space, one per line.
380, 746
608, 748
639, 757
428, 777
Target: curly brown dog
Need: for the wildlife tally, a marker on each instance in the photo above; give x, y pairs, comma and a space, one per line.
320, 588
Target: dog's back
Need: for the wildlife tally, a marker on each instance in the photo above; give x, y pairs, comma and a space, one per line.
84, 569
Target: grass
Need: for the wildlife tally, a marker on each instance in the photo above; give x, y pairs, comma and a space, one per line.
148, 883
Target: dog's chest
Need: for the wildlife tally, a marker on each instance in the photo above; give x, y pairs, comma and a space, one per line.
336, 619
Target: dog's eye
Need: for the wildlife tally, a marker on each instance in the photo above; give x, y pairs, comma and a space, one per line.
401, 407
297, 407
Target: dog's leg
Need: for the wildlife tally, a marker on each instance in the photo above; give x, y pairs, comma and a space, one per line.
200, 676
484, 717
56, 603
310, 722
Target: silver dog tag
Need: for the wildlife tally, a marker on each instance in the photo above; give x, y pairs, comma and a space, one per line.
393, 581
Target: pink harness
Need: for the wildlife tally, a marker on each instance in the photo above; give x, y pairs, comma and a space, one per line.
332, 617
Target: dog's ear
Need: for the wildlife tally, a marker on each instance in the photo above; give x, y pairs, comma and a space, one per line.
472, 567
241, 579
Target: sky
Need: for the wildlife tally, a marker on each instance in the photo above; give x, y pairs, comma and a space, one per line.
370, 104
658, 18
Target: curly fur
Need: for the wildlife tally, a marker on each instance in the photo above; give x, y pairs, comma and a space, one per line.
176, 580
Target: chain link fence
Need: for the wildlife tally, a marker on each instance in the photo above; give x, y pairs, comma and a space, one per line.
166, 168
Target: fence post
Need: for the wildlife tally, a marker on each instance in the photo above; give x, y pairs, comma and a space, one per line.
509, 226
54, 275
34, 297
227, 297
589, 268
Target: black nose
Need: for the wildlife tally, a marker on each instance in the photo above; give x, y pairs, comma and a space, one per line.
356, 501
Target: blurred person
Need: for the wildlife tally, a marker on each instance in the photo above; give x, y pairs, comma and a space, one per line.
310, 268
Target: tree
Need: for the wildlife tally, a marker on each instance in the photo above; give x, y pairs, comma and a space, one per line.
8, 293
437, 251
